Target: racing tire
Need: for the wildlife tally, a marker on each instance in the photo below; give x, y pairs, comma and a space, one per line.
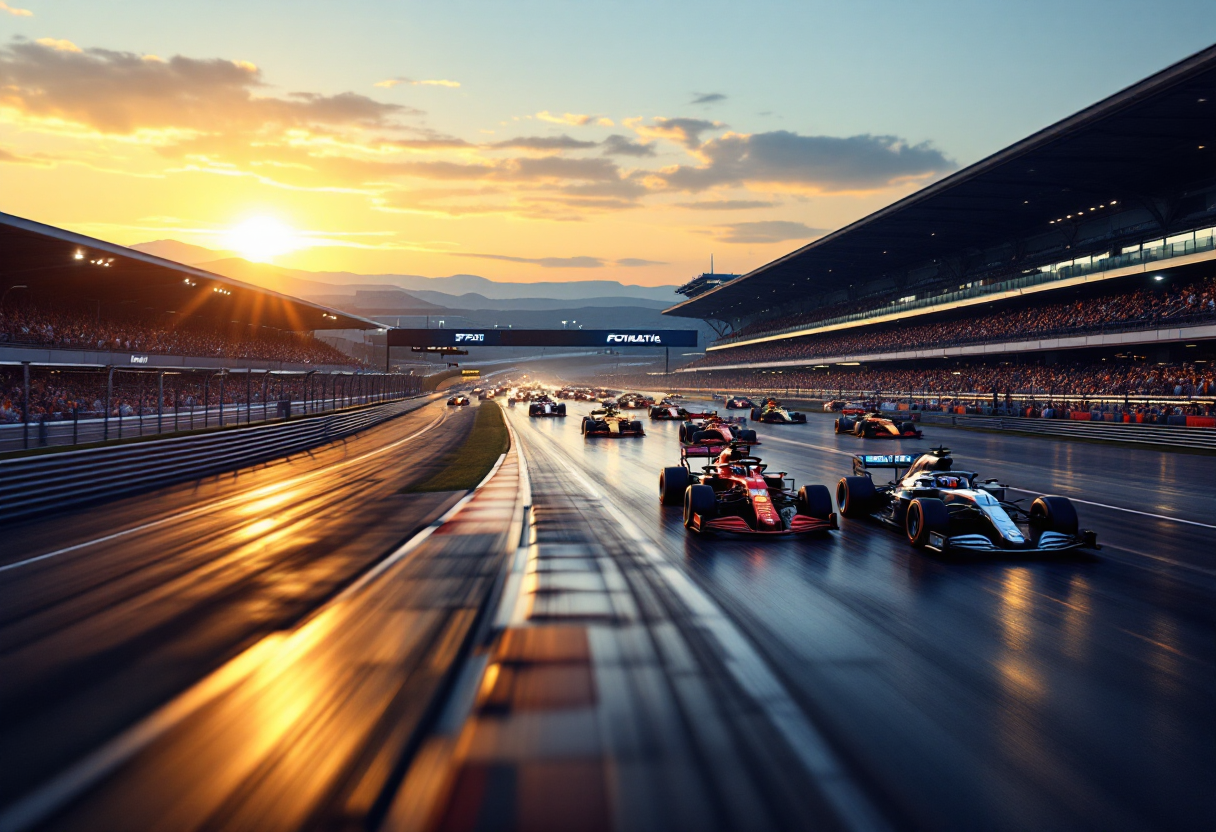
637, 426
867, 430
815, 501
925, 516
583, 426
755, 414
1053, 514
561, 410
748, 436
844, 425
798, 418
698, 499
855, 495
672, 484
907, 427
653, 411
687, 429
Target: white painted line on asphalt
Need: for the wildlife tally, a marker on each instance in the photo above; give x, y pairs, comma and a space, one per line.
222, 503
1128, 510
751, 673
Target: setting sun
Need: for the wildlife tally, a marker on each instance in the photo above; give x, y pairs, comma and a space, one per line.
261, 239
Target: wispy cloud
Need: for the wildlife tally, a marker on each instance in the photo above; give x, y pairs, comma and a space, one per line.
685, 131
727, 204
562, 142
568, 262
59, 45
766, 231
573, 119
5, 7
618, 145
707, 98
820, 164
638, 263
389, 83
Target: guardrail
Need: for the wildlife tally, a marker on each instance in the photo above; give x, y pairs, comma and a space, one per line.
1165, 436
38, 484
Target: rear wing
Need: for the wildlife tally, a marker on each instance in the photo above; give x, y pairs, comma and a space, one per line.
865, 462
711, 450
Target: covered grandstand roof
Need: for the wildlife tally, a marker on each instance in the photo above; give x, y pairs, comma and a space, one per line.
53, 262
1143, 144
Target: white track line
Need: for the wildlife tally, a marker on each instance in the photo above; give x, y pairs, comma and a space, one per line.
1128, 510
767, 438
222, 503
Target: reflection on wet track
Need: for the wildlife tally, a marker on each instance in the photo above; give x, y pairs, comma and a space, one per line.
997, 693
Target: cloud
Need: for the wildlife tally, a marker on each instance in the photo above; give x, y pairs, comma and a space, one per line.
816, 163
544, 262
636, 263
59, 45
436, 143
727, 204
10, 158
685, 131
707, 98
766, 231
618, 145
562, 142
389, 83
572, 119
5, 7
121, 93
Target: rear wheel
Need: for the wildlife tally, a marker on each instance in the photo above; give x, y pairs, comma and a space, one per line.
583, 426
1053, 514
636, 426
687, 429
698, 499
747, 436
926, 515
815, 501
755, 414
907, 427
672, 483
855, 495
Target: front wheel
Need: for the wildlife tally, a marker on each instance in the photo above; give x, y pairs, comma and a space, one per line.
855, 495
1053, 514
747, 436
698, 500
815, 501
926, 515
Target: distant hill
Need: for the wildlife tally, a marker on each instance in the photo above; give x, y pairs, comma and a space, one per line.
182, 252
453, 291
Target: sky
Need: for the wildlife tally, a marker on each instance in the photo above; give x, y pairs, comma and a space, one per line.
533, 140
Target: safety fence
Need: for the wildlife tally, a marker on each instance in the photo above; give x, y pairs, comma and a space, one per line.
35, 484
1173, 437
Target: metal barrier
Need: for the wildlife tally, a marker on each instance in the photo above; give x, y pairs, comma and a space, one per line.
36, 484
1165, 436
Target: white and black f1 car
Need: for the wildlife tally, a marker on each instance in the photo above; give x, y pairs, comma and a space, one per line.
611, 422
772, 413
877, 426
944, 510
736, 493
545, 406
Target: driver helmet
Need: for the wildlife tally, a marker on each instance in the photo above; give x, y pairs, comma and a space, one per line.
948, 482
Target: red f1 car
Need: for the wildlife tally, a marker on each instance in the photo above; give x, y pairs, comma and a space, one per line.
877, 426
716, 429
736, 493
666, 411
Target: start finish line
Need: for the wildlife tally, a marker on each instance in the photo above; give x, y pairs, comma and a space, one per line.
542, 337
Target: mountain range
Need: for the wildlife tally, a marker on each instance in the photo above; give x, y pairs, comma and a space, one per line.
458, 291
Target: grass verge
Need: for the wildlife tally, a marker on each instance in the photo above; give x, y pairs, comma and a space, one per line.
463, 468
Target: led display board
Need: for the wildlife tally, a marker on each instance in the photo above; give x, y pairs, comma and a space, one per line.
607, 338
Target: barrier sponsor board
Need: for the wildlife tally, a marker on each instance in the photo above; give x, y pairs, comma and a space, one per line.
608, 338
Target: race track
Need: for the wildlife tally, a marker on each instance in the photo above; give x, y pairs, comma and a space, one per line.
990, 694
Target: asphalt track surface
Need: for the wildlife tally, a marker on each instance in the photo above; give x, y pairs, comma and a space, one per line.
996, 693
991, 694
107, 613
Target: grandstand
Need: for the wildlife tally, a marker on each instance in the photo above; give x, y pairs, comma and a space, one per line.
1091, 241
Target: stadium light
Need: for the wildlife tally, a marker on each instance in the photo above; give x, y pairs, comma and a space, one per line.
1158, 277
79, 255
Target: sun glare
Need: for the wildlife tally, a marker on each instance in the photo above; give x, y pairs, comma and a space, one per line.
261, 239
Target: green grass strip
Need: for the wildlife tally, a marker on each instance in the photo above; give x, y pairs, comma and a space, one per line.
463, 468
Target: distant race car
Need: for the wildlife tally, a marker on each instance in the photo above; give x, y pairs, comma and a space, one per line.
717, 429
634, 401
877, 426
458, 401
736, 493
944, 510
847, 408
668, 411
609, 421
772, 413
542, 405
739, 403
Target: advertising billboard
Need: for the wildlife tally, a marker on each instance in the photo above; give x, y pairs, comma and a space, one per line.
603, 338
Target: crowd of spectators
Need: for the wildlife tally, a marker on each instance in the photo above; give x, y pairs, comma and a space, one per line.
60, 395
1024, 382
85, 329
1195, 300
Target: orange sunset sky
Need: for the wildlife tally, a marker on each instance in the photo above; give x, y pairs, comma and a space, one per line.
531, 141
